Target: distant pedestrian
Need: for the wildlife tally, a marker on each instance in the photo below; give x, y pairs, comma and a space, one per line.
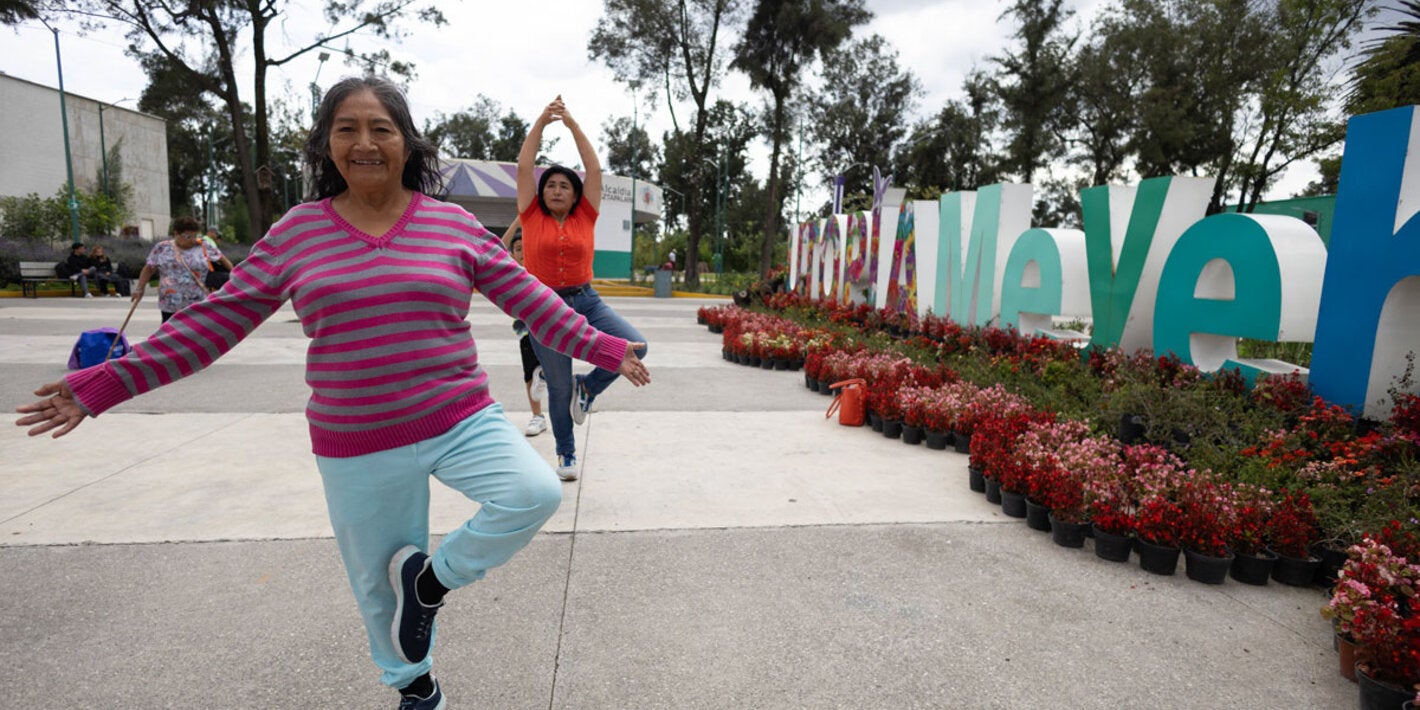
380, 276
533, 380
558, 213
181, 265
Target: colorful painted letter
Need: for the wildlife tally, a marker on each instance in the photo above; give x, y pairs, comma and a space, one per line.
1125, 262
1236, 276
1047, 274
1367, 325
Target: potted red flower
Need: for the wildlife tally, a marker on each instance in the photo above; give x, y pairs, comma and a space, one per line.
1206, 521
1290, 534
1252, 512
1376, 589
1373, 576
1157, 520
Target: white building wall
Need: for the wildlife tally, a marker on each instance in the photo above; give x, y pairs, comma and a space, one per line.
32, 143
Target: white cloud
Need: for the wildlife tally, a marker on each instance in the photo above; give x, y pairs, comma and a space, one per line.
495, 50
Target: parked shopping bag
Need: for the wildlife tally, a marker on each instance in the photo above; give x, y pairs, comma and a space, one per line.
93, 347
849, 402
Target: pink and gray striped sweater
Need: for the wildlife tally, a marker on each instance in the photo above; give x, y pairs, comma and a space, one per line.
391, 360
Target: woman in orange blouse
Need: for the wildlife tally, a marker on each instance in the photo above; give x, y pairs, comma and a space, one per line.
558, 213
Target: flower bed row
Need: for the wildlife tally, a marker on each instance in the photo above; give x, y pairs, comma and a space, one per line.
1142, 452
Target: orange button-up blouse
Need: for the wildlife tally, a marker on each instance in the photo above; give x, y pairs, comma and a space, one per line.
559, 255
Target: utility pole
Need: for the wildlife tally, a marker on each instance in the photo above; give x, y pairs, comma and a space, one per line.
315, 87
211, 180
64, 122
631, 262
798, 178
103, 150
722, 185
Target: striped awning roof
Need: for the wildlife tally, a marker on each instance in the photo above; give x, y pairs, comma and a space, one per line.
482, 178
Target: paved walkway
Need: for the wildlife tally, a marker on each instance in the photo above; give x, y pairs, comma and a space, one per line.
726, 547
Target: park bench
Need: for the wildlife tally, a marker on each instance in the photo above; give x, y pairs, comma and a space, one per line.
34, 273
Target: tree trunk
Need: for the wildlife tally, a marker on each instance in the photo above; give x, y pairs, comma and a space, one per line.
693, 210
263, 131
241, 146
771, 212
1215, 203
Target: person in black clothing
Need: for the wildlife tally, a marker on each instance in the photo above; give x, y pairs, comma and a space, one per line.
107, 274
80, 267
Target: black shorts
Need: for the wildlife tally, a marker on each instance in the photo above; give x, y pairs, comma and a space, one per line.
529, 357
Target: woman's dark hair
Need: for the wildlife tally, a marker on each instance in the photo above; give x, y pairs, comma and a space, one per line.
571, 177
186, 224
421, 169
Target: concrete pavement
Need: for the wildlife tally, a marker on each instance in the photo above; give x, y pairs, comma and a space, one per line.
726, 547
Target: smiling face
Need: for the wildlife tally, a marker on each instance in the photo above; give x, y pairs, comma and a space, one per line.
366, 145
558, 194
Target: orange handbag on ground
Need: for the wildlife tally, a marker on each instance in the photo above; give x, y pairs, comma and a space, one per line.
849, 402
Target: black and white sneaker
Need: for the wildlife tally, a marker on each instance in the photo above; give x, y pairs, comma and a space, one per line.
581, 400
413, 627
435, 700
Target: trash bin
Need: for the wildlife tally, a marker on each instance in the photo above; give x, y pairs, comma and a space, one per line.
663, 284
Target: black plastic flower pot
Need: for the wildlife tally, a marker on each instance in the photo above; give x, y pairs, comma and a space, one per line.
1013, 504
1253, 569
1066, 534
1295, 571
1037, 516
1111, 547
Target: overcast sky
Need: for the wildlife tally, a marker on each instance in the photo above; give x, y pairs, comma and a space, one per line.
491, 48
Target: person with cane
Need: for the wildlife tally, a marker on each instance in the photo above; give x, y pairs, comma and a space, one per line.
181, 265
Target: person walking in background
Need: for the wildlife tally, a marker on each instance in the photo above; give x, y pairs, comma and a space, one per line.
533, 380
80, 267
558, 214
181, 264
381, 276
105, 273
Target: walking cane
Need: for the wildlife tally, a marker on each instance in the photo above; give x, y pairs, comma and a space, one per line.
121, 328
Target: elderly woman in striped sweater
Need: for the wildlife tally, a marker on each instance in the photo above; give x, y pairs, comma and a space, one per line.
381, 275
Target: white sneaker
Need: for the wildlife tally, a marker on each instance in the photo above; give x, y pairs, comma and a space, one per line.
536, 425
88, 295
567, 467
539, 390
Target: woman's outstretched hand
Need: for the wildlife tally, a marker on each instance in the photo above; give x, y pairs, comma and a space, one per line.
57, 411
632, 368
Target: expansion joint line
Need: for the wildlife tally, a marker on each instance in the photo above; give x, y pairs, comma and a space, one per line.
571, 555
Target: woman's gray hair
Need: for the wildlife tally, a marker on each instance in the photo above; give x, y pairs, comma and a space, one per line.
421, 169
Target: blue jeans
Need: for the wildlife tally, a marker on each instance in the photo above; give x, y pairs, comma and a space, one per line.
84, 275
379, 503
557, 368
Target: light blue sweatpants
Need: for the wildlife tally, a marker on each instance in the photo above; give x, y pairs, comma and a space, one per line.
380, 502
